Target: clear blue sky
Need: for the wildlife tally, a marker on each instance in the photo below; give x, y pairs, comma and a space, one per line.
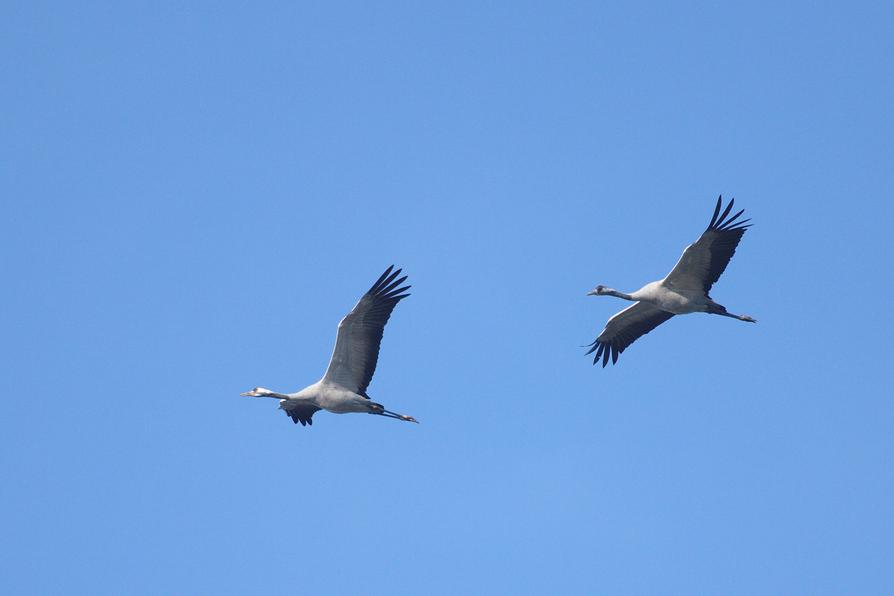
193, 197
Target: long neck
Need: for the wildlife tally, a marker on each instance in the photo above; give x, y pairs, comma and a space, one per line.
269, 393
617, 294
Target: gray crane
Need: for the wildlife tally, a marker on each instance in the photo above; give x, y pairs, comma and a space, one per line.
684, 290
343, 388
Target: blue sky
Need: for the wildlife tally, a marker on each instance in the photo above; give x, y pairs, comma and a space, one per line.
193, 197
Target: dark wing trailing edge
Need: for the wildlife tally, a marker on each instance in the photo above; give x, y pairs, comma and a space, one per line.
302, 413
704, 261
360, 333
625, 328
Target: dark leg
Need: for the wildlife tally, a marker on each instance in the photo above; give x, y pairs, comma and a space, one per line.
403, 417
380, 410
745, 318
719, 309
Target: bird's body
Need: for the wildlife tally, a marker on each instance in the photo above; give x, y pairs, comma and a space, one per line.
669, 299
342, 389
328, 396
684, 290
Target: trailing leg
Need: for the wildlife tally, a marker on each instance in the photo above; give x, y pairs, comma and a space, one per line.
719, 309
380, 410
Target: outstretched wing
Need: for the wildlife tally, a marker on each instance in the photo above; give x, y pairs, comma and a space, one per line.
360, 333
301, 413
704, 260
625, 328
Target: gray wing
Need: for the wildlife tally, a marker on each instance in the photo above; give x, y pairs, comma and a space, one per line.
704, 261
301, 413
360, 333
625, 328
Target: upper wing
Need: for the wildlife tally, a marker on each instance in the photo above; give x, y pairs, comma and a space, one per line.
704, 260
625, 328
360, 333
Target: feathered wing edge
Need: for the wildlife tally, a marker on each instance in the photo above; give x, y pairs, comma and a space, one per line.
386, 293
724, 234
386, 288
722, 224
620, 340
362, 329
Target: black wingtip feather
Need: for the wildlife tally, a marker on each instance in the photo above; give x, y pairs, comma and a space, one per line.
716, 212
383, 276
604, 351
372, 289
721, 223
731, 220
391, 285
726, 211
387, 281
394, 297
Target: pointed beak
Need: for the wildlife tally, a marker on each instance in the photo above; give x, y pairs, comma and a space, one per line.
592, 293
251, 393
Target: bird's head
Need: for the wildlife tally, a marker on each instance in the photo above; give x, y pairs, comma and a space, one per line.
258, 392
597, 291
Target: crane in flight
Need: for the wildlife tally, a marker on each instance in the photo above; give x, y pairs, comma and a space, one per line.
343, 388
684, 290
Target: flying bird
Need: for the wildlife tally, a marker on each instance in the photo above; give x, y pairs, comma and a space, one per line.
343, 388
684, 290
